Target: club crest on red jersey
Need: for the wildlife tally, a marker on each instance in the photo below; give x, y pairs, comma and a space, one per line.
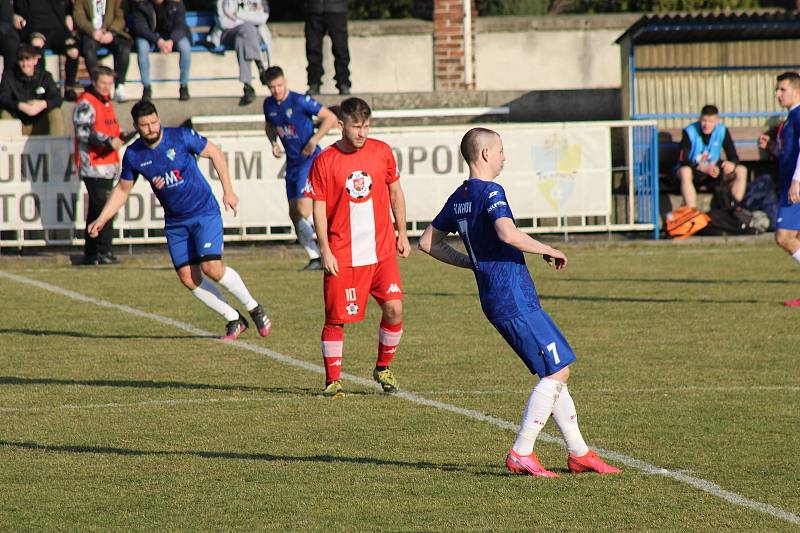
359, 185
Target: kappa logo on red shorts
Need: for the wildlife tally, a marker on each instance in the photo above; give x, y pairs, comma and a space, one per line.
393, 288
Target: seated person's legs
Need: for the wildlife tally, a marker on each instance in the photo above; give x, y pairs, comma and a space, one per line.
737, 181
686, 176
143, 49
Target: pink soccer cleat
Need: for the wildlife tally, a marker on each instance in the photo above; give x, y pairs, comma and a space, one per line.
234, 328
792, 303
526, 464
263, 324
590, 463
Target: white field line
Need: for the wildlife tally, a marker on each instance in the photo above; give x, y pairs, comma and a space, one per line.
698, 483
145, 403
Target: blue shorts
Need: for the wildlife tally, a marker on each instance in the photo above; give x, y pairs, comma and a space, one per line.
297, 176
538, 341
788, 216
194, 240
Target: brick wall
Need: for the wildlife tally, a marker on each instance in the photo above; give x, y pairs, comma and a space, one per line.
448, 45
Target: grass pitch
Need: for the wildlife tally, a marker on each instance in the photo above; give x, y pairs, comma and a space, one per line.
114, 421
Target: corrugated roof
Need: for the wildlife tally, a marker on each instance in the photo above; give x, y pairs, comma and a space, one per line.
714, 26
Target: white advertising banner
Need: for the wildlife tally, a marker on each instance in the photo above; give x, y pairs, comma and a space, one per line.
550, 171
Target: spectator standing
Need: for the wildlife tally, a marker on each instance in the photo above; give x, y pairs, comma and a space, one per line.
327, 16
29, 94
49, 24
701, 163
161, 25
97, 144
101, 23
10, 25
239, 22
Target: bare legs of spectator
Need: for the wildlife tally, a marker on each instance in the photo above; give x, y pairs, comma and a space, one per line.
688, 191
738, 182
120, 48
246, 40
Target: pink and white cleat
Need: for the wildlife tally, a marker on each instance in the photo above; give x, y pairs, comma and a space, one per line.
263, 324
234, 328
590, 463
792, 303
526, 464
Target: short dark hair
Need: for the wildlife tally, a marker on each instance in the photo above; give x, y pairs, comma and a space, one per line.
101, 70
272, 74
709, 111
793, 77
142, 108
355, 109
26, 50
474, 141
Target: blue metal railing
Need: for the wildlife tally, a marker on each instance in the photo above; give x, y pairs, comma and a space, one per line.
645, 175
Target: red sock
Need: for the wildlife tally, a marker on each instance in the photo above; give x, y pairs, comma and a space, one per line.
388, 340
332, 343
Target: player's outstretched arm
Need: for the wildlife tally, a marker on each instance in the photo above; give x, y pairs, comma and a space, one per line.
433, 243
398, 202
229, 198
509, 234
115, 202
329, 263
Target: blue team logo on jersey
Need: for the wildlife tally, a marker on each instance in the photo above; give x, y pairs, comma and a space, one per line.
289, 112
172, 179
171, 154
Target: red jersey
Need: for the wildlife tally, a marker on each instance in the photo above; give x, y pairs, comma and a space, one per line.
355, 188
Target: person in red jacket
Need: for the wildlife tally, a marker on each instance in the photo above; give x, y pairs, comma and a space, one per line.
97, 143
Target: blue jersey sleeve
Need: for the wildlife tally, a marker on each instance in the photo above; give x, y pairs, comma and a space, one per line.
309, 105
128, 173
444, 221
194, 142
496, 203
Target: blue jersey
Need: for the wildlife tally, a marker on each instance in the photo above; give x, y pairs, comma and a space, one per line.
172, 171
293, 121
789, 143
504, 284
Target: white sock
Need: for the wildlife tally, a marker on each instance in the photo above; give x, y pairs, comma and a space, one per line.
537, 411
209, 294
234, 284
796, 256
305, 234
566, 419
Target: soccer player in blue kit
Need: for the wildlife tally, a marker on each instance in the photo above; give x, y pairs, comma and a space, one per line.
166, 157
787, 226
289, 116
479, 212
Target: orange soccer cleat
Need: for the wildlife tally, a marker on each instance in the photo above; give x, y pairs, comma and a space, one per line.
590, 462
526, 464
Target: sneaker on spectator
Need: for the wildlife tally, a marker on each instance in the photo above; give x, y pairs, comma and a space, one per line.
119, 93
183, 93
262, 76
70, 95
344, 90
313, 89
147, 93
248, 96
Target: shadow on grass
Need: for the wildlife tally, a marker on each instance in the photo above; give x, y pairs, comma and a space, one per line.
147, 384
685, 281
85, 335
268, 457
618, 299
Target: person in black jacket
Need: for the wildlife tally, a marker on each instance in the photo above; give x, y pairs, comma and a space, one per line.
30, 95
49, 24
327, 16
10, 24
161, 25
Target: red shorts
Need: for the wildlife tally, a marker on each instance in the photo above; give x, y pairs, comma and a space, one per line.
346, 294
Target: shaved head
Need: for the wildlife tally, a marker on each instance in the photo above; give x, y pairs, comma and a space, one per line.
476, 140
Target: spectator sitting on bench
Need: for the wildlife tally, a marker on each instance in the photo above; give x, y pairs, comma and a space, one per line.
239, 21
700, 163
101, 23
30, 95
161, 25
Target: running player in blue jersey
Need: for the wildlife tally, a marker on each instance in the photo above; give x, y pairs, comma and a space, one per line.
289, 116
787, 226
479, 212
167, 158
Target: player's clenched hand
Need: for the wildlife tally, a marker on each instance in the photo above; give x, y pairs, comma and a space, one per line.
230, 201
794, 192
309, 148
556, 258
276, 150
329, 263
94, 228
403, 246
